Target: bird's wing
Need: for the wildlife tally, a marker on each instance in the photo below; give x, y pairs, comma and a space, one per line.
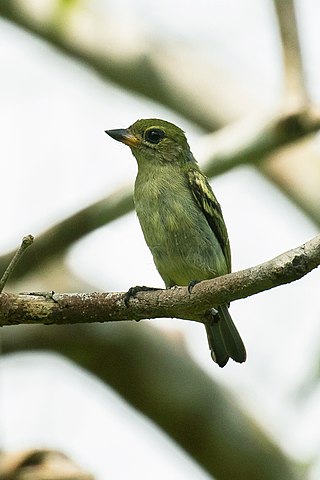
211, 209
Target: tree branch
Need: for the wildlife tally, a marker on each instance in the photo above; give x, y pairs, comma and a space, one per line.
295, 89
40, 464
177, 302
154, 373
57, 239
134, 62
252, 140
26, 242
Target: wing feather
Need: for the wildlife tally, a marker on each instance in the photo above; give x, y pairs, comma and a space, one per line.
211, 209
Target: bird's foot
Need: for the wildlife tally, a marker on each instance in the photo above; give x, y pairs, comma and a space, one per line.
134, 290
192, 284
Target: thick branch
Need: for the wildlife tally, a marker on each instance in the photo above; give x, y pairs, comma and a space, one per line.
177, 302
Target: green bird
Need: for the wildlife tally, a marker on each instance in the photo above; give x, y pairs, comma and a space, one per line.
182, 221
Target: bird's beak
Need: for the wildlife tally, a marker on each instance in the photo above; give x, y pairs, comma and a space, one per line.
124, 136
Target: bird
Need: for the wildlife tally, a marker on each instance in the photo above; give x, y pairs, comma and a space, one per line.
181, 221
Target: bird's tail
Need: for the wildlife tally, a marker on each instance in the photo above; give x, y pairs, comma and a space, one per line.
224, 339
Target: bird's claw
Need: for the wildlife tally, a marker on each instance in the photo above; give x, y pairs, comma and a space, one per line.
192, 284
134, 290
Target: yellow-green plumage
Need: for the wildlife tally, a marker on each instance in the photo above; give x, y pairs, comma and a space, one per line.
181, 220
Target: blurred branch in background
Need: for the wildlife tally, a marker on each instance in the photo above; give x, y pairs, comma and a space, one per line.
295, 85
57, 239
49, 308
134, 63
39, 465
295, 169
164, 76
160, 380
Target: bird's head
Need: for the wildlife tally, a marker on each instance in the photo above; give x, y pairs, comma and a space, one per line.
155, 141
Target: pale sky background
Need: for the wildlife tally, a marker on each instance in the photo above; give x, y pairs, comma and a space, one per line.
56, 158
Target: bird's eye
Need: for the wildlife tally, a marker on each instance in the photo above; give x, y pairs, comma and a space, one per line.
154, 135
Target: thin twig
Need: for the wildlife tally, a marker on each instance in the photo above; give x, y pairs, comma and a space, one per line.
26, 242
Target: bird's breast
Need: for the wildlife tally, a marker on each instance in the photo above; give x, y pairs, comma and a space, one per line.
181, 241
164, 206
